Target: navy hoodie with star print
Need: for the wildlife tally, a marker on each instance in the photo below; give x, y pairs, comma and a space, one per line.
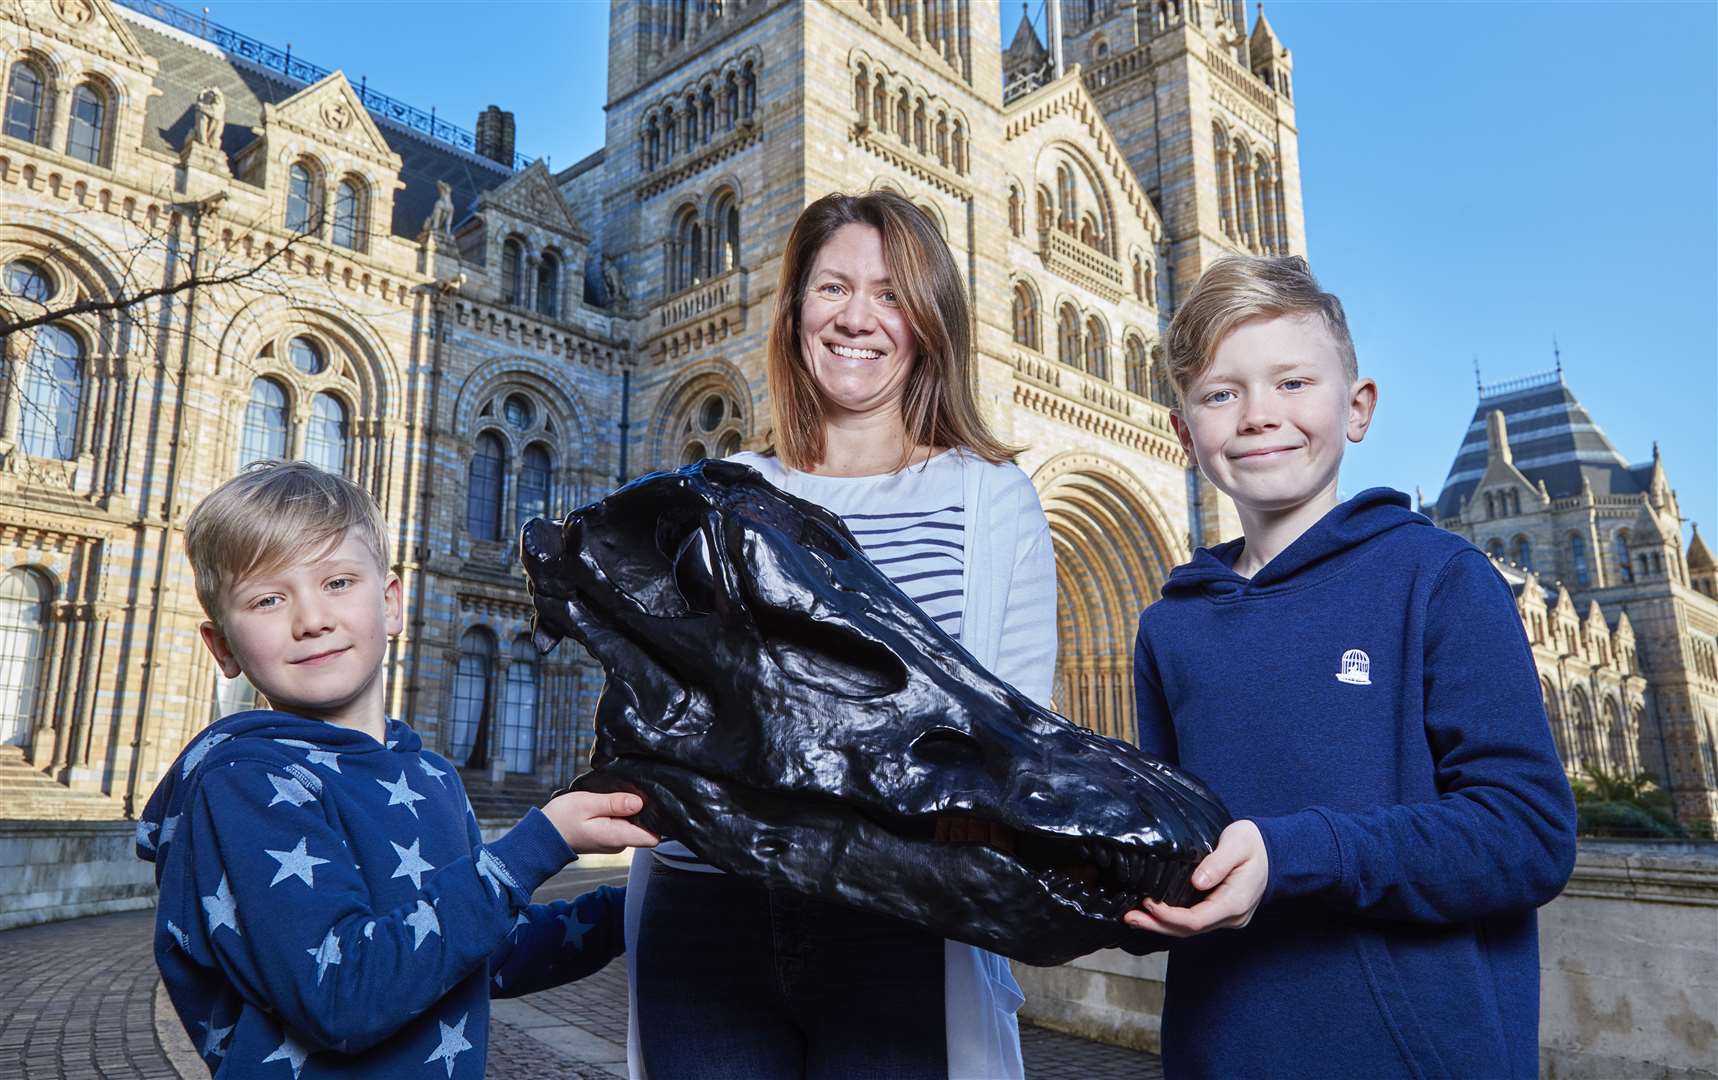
328, 907
1369, 700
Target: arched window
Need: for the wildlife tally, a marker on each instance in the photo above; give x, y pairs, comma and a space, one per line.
87, 125
1097, 349
711, 427
942, 139
519, 709
1616, 739
303, 199
652, 144
880, 106
1016, 212
467, 723
731, 103
707, 114
29, 281
51, 392
748, 90
305, 355
1523, 553
958, 148
264, 436
483, 488
688, 262
862, 94
1046, 215
1065, 196
1025, 316
1494, 548
349, 215
1586, 737
1553, 718
512, 272
549, 285
1137, 365
25, 92
1162, 387
325, 439
24, 600
725, 252
1068, 336
1225, 182
1625, 571
670, 134
536, 472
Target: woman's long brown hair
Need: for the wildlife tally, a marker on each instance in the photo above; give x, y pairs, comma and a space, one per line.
938, 405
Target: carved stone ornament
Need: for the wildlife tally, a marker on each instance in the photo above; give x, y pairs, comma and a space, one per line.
792, 717
211, 117
337, 114
75, 12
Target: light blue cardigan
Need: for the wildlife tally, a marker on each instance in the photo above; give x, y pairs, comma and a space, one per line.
1008, 623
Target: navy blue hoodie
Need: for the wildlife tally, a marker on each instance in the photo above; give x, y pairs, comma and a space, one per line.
328, 907
1369, 700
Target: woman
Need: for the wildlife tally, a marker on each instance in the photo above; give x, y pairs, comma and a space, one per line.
870, 375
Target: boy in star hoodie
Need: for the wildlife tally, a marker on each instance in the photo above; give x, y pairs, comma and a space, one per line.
327, 906
1356, 685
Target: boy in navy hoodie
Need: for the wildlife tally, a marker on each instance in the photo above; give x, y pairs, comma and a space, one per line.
1356, 685
328, 907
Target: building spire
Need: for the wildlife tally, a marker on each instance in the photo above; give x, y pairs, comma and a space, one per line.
1557, 354
1479, 387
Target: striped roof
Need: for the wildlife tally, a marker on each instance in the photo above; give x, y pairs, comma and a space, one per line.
1552, 438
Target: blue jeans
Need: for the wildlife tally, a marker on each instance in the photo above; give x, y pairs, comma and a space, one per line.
746, 981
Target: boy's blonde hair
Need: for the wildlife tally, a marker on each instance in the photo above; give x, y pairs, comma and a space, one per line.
270, 515
1241, 288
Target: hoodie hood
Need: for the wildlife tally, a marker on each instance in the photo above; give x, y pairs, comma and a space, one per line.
1316, 552
236, 734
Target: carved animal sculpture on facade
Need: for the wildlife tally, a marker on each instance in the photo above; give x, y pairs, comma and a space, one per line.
792, 717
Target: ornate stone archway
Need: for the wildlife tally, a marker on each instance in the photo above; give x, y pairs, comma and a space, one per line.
1113, 550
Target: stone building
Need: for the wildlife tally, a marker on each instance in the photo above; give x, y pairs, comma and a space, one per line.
1623, 621
479, 341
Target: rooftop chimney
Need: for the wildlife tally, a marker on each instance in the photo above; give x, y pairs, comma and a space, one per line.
495, 135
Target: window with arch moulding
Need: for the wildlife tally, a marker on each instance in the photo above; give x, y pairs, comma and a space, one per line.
86, 127
26, 93
712, 427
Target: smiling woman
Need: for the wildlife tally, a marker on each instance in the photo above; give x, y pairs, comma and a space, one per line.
870, 378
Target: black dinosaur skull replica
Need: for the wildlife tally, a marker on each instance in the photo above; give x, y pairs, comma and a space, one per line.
792, 717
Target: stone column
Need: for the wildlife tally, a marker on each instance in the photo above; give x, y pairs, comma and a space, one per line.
496, 749
45, 740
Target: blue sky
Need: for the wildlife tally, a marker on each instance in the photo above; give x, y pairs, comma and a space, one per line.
1478, 178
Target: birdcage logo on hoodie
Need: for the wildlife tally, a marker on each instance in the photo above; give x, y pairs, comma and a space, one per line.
1356, 669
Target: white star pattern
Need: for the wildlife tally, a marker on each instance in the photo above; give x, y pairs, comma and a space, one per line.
391, 743
215, 1038
576, 929
194, 756
221, 909
517, 923
412, 864
498, 983
494, 871
146, 834
290, 1050
169, 826
297, 863
431, 770
327, 955
369, 930
288, 790
400, 792
179, 935
313, 753
453, 1043
423, 923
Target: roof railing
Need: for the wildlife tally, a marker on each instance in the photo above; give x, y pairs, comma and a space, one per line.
1526, 382
244, 46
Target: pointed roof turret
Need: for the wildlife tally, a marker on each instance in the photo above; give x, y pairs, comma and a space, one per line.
1026, 44
1699, 555
1264, 42
1551, 437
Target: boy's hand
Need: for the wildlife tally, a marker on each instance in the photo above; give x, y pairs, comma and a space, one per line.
594, 823
1239, 868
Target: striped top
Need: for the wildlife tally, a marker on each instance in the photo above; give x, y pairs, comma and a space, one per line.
912, 526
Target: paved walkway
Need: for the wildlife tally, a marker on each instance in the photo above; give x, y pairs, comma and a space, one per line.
81, 999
